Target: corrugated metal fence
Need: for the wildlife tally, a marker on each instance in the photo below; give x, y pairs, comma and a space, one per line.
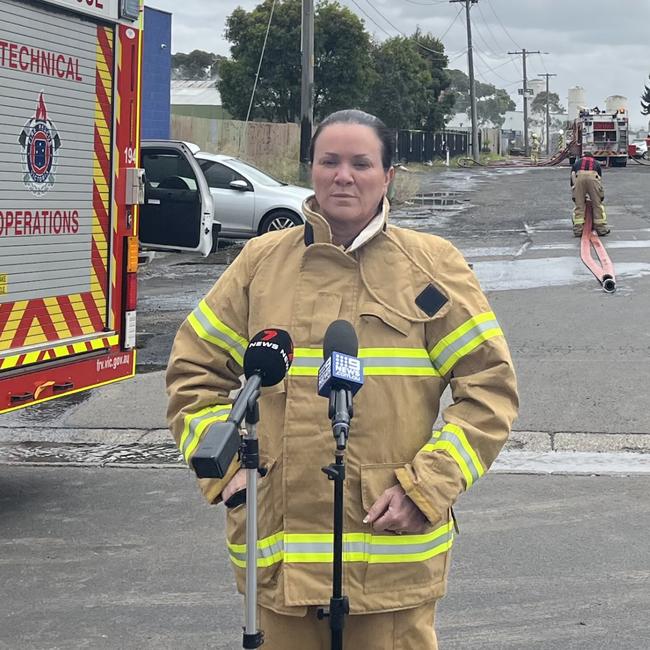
425, 146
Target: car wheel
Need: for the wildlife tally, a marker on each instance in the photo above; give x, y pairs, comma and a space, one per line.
279, 221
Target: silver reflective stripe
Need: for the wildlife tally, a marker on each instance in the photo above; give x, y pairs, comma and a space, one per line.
306, 362
452, 440
197, 420
458, 445
396, 362
211, 330
466, 338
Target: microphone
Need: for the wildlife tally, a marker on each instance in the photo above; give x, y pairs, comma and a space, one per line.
266, 362
342, 369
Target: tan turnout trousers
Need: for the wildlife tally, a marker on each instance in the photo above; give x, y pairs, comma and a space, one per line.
407, 629
588, 183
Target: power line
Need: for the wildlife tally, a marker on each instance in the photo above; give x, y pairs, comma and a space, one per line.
502, 25
371, 19
434, 2
453, 22
399, 31
487, 26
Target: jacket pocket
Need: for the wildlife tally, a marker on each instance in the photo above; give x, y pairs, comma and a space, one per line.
418, 563
377, 317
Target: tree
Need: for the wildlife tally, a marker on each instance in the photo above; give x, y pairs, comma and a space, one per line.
538, 104
400, 91
491, 102
341, 66
195, 65
440, 101
645, 100
342, 60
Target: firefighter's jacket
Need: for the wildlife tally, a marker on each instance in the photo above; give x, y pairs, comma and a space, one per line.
423, 324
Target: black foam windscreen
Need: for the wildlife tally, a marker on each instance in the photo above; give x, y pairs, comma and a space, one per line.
340, 337
269, 354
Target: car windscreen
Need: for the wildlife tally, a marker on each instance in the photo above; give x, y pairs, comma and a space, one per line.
253, 173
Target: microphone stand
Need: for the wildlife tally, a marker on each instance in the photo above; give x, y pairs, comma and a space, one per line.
340, 413
250, 461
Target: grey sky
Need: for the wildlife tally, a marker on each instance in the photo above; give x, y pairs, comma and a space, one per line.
601, 45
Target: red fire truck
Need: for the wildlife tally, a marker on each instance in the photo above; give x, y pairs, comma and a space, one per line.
69, 195
602, 135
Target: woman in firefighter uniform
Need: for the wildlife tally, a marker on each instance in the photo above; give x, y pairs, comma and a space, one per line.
423, 324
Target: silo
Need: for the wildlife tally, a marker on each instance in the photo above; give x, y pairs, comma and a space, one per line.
538, 86
577, 100
614, 102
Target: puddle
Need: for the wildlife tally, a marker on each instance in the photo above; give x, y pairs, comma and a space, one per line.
546, 272
53, 409
98, 455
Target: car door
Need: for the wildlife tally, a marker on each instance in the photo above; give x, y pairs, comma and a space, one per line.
178, 211
233, 196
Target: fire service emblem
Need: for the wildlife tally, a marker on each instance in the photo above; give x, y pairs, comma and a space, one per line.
39, 142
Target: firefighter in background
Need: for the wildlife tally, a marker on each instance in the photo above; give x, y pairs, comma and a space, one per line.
561, 143
534, 149
586, 181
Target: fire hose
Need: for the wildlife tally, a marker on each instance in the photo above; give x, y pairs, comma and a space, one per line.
602, 266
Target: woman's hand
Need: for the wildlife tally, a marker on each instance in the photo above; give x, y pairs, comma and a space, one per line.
236, 483
395, 512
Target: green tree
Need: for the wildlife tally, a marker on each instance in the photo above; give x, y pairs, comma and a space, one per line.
400, 90
341, 66
195, 65
342, 60
441, 100
645, 100
538, 104
491, 102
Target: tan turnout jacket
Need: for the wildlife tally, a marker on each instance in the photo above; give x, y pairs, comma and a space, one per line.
392, 290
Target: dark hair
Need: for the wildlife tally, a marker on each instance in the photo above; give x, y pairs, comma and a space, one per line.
353, 116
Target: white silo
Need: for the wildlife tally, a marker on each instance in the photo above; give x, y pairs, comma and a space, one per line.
538, 86
577, 100
614, 102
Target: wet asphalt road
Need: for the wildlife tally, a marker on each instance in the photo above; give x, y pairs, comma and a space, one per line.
580, 353
120, 559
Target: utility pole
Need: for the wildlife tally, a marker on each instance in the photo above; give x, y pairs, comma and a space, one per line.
548, 114
472, 86
523, 53
307, 87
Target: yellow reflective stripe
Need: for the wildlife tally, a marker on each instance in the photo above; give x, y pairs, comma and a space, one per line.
463, 340
210, 328
469, 450
308, 352
195, 425
416, 353
376, 362
304, 548
453, 440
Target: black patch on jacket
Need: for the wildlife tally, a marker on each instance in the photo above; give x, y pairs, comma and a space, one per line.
309, 234
430, 300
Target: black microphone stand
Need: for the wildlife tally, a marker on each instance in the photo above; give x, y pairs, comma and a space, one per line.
340, 412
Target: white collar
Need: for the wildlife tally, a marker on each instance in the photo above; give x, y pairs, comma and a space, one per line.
373, 227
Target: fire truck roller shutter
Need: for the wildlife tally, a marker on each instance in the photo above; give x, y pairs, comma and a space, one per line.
56, 115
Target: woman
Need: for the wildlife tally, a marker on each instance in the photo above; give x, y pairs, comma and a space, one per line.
423, 323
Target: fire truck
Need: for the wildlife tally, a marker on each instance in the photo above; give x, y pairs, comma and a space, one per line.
69, 195
602, 135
